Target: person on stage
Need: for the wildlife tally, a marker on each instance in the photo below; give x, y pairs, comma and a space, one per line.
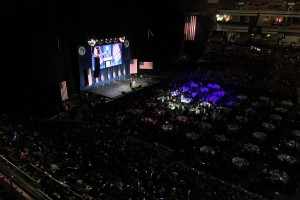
130, 82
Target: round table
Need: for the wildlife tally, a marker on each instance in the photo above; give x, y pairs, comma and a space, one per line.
253, 148
275, 117
256, 104
281, 109
240, 162
192, 136
259, 135
277, 175
241, 97
241, 119
205, 126
287, 158
268, 126
286, 103
208, 150
290, 143
232, 128
296, 133
221, 138
264, 99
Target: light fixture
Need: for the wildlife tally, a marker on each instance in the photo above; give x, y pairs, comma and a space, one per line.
122, 38
108, 40
116, 40
92, 42
100, 42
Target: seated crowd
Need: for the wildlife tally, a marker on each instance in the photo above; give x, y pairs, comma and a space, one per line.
199, 136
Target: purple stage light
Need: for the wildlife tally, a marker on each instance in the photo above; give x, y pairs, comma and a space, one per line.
213, 98
214, 86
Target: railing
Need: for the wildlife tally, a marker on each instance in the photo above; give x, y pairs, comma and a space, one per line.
21, 179
244, 28
65, 189
32, 186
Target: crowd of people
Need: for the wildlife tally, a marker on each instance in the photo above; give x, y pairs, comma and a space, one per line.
200, 135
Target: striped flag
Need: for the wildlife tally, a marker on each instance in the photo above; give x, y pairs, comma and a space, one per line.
145, 65
133, 66
116, 52
190, 28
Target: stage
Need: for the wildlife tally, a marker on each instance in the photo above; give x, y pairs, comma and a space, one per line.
118, 88
106, 93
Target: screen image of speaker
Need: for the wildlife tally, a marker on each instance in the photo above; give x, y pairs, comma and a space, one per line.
63, 90
254, 29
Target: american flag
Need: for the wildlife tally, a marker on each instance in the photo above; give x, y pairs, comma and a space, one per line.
133, 66
145, 65
116, 52
190, 28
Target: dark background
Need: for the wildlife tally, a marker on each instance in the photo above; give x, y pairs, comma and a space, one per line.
40, 43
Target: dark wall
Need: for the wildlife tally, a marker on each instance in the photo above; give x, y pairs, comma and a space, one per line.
41, 41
